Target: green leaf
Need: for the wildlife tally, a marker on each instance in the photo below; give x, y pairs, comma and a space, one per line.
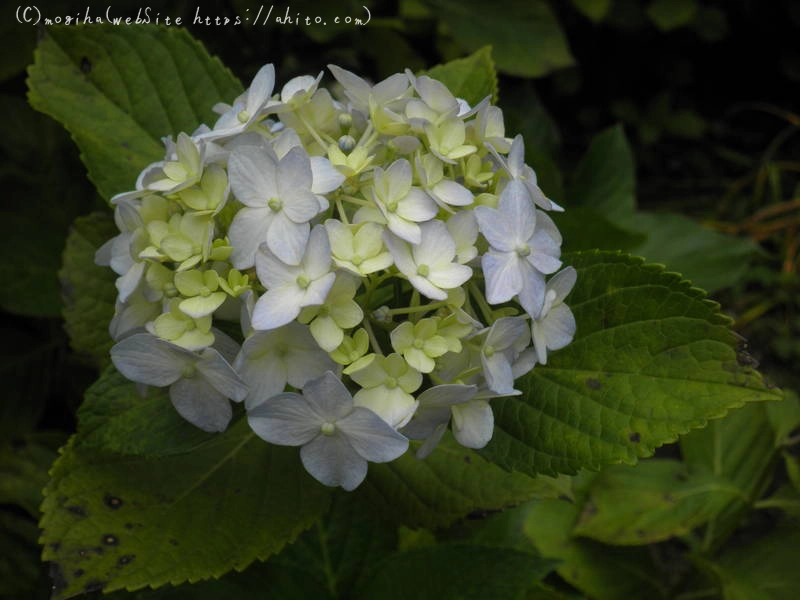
471, 78
526, 114
125, 521
118, 90
601, 572
652, 359
671, 14
762, 570
87, 289
651, 502
605, 179
525, 35
741, 449
585, 229
452, 482
596, 10
784, 417
43, 198
710, 259
456, 571
340, 550
115, 418
23, 469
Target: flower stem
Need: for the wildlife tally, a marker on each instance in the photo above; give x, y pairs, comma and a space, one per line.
417, 309
486, 310
376, 347
342, 213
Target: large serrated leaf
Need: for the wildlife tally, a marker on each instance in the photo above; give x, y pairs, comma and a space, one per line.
605, 178
468, 572
651, 502
116, 520
525, 35
472, 78
652, 359
87, 289
118, 90
601, 572
452, 482
137, 477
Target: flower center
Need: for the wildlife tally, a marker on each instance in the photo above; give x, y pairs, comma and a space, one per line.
523, 250
275, 204
243, 116
423, 270
418, 344
390, 383
391, 206
489, 351
302, 281
188, 371
357, 259
328, 428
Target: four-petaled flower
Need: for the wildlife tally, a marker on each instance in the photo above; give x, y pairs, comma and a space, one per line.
525, 246
337, 438
199, 384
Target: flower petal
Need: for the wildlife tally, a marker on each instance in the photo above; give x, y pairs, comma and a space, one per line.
144, 358
200, 404
285, 419
328, 397
371, 437
473, 423
247, 232
221, 375
331, 460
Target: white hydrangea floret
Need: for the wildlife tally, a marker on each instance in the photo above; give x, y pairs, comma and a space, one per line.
337, 437
525, 246
555, 326
199, 384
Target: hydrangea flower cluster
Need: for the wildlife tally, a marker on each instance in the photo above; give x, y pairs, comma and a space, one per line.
383, 258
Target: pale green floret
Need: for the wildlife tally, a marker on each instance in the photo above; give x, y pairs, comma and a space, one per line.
221, 250
236, 283
477, 172
200, 292
184, 239
186, 169
161, 280
387, 382
154, 208
339, 312
453, 331
179, 328
351, 348
210, 194
419, 343
358, 248
446, 140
